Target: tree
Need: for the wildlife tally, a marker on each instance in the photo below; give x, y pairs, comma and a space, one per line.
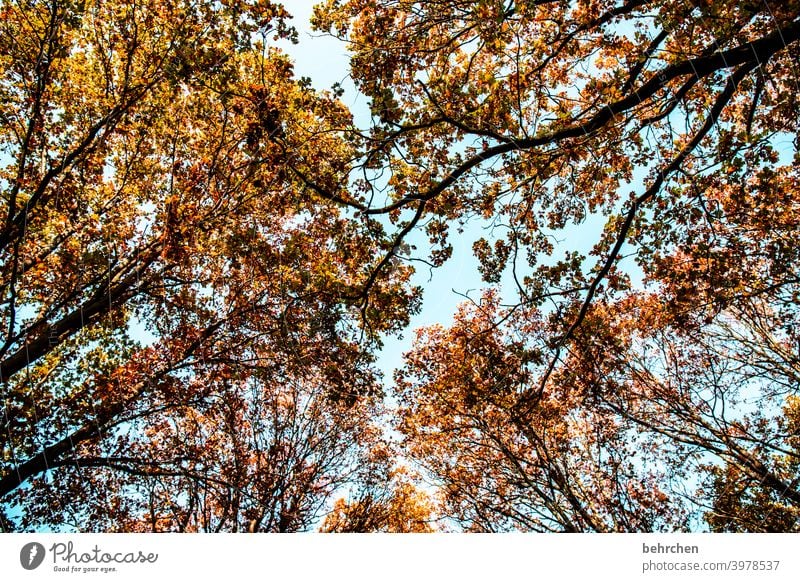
168, 283
721, 400
557, 466
678, 123
742, 500
386, 500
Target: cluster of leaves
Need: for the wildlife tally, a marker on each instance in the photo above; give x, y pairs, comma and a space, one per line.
164, 174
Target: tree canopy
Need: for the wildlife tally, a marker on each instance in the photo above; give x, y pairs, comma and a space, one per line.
201, 256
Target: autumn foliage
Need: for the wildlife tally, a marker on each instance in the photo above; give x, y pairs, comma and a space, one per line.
201, 256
